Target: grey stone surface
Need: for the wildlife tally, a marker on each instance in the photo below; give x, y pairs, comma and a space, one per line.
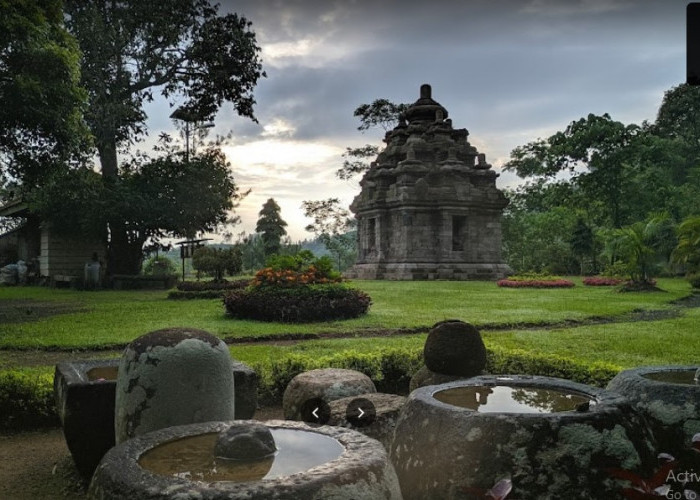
440, 449
429, 207
245, 388
424, 377
455, 348
85, 405
328, 384
386, 407
363, 471
245, 442
672, 410
86, 410
172, 377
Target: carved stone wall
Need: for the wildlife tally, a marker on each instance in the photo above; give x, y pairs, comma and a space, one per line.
429, 207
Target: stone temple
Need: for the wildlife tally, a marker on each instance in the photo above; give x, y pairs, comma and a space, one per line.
429, 207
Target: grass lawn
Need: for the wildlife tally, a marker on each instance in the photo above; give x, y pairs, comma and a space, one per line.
109, 318
627, 345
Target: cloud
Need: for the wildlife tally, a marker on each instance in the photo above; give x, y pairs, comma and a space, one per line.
509, 71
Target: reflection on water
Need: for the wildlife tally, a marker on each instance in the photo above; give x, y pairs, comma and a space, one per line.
103, 372
674, 377
512, 399
193, 458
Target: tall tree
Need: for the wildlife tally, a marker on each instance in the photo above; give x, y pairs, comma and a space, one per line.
688, 250
382, 113
594, 153
133, 49
156, 198
333, 225
271, 226
582, 242
41, 125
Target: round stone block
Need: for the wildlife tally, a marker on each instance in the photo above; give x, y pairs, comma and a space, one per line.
553, 438
327, 384
425, 377
669, 397
248, 442
377, 419
316, 463
172, 377
454, 347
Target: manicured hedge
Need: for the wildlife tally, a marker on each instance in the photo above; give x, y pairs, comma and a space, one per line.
26, 399
299, 304
200, 286
559, 283
204, 294
601, 281
187, 290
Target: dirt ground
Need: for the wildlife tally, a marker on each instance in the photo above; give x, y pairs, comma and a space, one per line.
38, 466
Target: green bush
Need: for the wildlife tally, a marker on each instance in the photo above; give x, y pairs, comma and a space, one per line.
159, 266
26, 401
299, 304
205, 289
200, 286
694, 280
217, 261
514, 361
204, 294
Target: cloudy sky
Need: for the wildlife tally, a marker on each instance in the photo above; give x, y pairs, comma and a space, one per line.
508, 71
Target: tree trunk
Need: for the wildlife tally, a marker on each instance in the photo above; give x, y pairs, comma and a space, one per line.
125, 254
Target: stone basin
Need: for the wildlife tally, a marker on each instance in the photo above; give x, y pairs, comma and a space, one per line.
84, 392
310, 462
553, 438
670, 400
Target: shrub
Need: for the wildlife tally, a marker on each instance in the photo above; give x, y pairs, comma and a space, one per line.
532, 276
200, 286
217, 261
557, 283
514, 361
694, 280
601, 281
204, 294
617, 269
159, 266
297, 304
26, 401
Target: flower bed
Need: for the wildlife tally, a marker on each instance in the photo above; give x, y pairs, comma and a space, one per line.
601, 281
556, 283
297, 289
300, 304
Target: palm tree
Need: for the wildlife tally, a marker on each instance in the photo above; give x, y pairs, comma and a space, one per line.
640, 244
688, 250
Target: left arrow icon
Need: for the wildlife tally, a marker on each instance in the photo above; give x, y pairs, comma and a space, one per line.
315, 413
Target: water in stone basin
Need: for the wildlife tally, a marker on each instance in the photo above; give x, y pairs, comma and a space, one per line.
193, 458
103, 373
687, 377
513, 399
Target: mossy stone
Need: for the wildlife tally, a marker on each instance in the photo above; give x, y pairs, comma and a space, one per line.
454, 347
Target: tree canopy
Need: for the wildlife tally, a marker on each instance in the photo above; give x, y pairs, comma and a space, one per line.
604, 183
180, 48
41, 123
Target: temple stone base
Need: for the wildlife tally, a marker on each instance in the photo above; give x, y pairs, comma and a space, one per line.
422, 271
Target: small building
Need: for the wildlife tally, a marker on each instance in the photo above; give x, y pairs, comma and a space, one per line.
429, 207
51, 257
